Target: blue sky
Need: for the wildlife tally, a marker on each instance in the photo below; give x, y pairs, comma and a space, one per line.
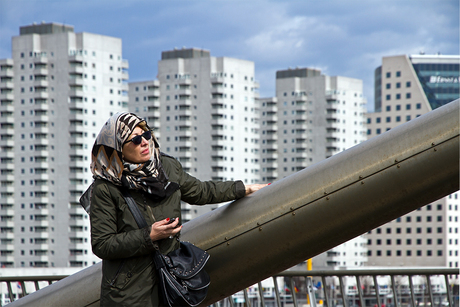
340, 37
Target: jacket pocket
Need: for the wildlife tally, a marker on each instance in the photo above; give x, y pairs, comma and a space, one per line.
119, 274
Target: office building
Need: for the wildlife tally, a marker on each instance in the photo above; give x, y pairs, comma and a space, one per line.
57, 91
405, 88
312, 117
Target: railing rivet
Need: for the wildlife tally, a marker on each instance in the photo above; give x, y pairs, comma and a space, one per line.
327, 198
399, 166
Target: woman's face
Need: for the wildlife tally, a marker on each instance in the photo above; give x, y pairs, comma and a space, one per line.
136, 153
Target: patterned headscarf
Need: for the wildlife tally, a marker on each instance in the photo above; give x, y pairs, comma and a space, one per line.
107, 159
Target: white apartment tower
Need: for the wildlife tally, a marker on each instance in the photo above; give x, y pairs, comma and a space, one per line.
312, 117
57, 91
405, 88
205, 114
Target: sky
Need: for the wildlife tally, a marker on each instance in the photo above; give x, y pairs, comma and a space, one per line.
340, 37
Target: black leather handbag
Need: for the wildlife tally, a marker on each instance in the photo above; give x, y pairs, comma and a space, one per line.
182, 278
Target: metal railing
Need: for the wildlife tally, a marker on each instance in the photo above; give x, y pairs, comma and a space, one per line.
352, 288
333, 288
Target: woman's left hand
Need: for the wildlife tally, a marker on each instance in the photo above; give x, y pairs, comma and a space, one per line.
251, 188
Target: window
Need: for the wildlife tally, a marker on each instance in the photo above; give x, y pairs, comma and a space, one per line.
398, 74
388, 86
408, 219
388, 74
377, 120
388, 119
388, 97
398, 119
409, 253
378, 131
408, 117
388, 241
408, 84
398, 107
418, 106
408, 230
408, 95
419, 229
388, 252
388, 230
398, 96
388, 108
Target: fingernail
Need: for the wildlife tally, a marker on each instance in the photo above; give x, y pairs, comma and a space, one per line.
269, 183
167, 220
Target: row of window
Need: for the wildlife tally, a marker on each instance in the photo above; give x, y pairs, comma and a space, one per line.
72, 52
408, 241
398, 96
388, 74
398, 85
417, 230
428, 253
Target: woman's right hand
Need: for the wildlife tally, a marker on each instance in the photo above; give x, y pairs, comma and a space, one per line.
164, 229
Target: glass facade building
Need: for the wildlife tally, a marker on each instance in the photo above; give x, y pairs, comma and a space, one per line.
438, 76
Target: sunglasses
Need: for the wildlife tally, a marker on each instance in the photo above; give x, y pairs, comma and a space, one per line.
138, 138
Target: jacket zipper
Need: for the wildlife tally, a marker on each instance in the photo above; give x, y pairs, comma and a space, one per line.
118, 273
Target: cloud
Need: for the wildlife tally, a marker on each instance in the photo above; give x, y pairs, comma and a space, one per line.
346, 38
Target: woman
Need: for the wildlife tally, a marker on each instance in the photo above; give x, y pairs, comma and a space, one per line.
126, 155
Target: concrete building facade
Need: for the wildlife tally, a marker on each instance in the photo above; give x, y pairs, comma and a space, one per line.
209, 116
57, 91
407, 87
312, 117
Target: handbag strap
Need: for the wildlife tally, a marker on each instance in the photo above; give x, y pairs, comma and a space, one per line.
140, 220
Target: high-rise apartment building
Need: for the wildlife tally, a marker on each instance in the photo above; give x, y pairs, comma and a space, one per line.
405, 88
57, 91
312, 117
206, 115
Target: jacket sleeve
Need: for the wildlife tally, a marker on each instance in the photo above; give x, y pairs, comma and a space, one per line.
199, 192
106, 240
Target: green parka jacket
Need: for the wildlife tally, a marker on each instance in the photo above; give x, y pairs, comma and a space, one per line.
128, 272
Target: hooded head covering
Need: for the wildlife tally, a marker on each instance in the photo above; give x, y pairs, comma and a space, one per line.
107, 160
